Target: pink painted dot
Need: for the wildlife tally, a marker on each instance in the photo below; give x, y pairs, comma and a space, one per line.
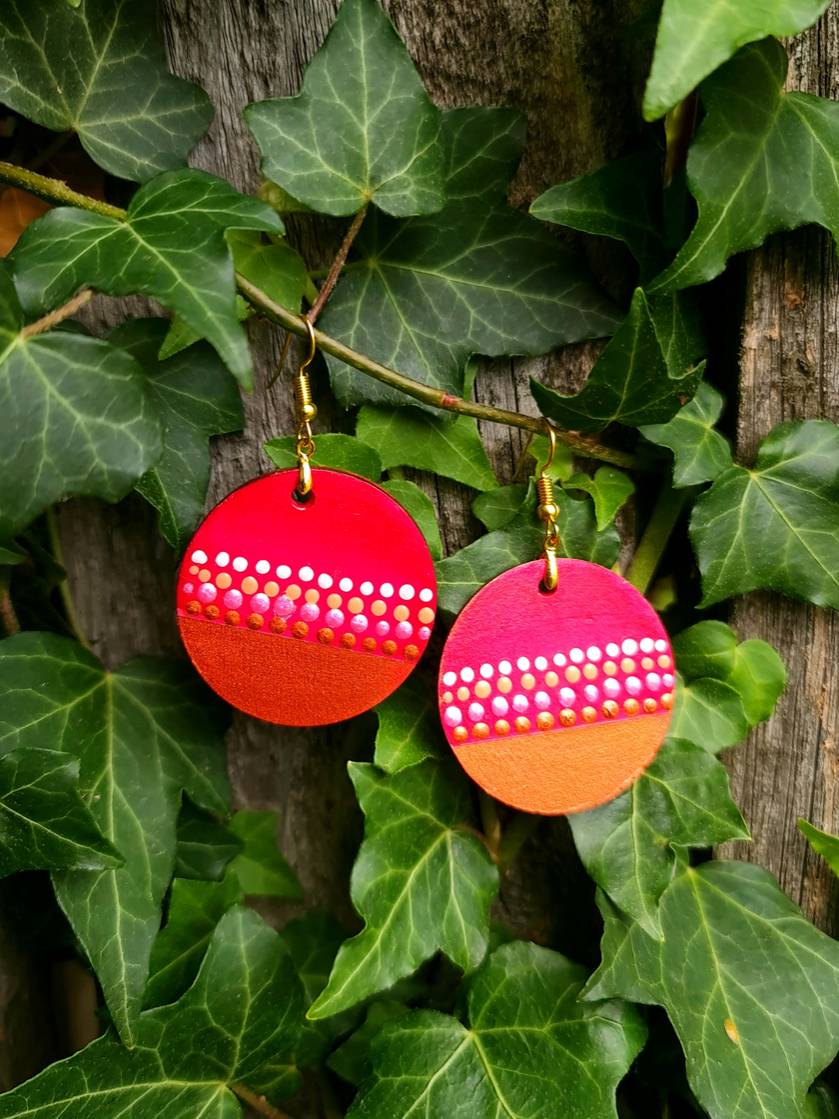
335, 617
382, 628
633, 685
188, 588
476, 712
612, 688
453, 716
542, 700
567, 696
283, 607
500, 706
668, 679
359, 623
260, 603
207, 592
233, 599
653, 681
592, 693
404, 630
424, 633
520, 703
310, 612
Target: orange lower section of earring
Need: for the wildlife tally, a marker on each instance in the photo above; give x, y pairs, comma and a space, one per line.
570, 770
280, 680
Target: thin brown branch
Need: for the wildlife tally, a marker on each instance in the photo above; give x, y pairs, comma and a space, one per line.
337, 266
257, 1103
59, 314
8, 617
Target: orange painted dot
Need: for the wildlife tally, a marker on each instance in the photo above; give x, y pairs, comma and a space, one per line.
194, 569
528, 681
522, 724
378, 608
610, 709
590, 672
667, 700
572, 674
232, 617
212, 611
355, 605
293, 592
194, 606
627, 664
460, 734
250, 585
567, 717
650, 705
664, 661
462, 692
255, 621
271, 588
411, 652
277, 625
312, 595
348, 640
325, 635
223, 581
204, 575
502, 727
447, 697
505, 685
480, 730
610, 668
333, 601
369, 644
631, 706
482, 689
426, 615
389, 647
589, 714
647, 663
544, 720
299, 629
551, 679
401, 613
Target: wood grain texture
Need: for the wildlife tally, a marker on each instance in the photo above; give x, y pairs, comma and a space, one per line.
789, 370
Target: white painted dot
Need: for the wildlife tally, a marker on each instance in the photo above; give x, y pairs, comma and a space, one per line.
487, 671
345, 584
505, 668
283, 571
567, 696
453, 716
450, 679
633, 685
653, 681
540, 664
542, 700
522, 664
222, 559
668, 679
577, 656
560, 660
630, 647
386, 590
592, 693
661, 646
325, 581
199, 557
476, 712
612, 688
240, 564
366, 587
426, 594
593, 654
467, 675
263, 567
306, 574
647, 644
520, 703
406, 592
613, 650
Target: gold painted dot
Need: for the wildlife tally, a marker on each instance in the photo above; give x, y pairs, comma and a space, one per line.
249, 585
590, 672
299, 629
482, 689
502, 727
667, 700
378, 608
355, 605
212, 611
572, 674
389, 647
551, 679
522, 724
544, 720
664, 661
333, 601
610, 668
272, 589
460, 734
369, 644
312, 595
256, 621
589, 714
411, 652
194, 569
325, 635
447, 697
232, 617
293, 592
647, 663
505, 684
631, 706
278, 625
223, 581
204, 575
480, 730
528, 681
401, 613
627, 664
650, 705
194, 606
462, 692
426, 615
348, 640
567, 717
610, 709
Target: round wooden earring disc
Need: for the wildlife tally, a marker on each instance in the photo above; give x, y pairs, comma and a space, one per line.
555, 703
305, 613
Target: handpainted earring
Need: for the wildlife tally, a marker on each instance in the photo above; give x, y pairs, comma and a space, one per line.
557, 681
306, 596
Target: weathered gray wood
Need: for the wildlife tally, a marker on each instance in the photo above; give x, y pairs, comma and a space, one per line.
789, 370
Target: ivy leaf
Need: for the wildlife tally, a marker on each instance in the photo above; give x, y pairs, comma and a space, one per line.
242, 1010
141, 735
196, 399
100, 70
725, 688
421, 508
44, 823
692, 42
75, 418
608, 488
531, 1047
636, 380
700, 453
496, 508
409, 726
776, 526
342, 452
425, 294
361, 130
351, 1060
751, 987
421, 883
259, 867
205, 847
410, 437
171, 246
753, 129
633, 845
823, 843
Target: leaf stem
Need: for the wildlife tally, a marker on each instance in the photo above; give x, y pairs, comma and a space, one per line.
8, 617
257, 1103
54, 190
59, 314
64, 586
520, 828
337, 266
647, 556
491, 824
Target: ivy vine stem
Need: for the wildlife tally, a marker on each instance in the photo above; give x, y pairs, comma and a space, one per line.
8, 617
665, 515
337, 266
65, 311
54, 190
257, 1103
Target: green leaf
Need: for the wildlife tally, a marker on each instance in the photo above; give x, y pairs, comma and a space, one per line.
205, 847
75, 418
351, 1061
409, 726
693, 41
608, 488
700, 453
425, 294
242, 1011
410, 437
171, 246
11, 555
751, 987
496, 508
141, 735
341, 452
98, 68
725, 688
629, 846
822, 1103
638, 379
421, 883
621, 200
196, 399
195, 908
421, 508
44, 823
362, 129
774, 527
259, 867
753, 134
823, 843
531, 1048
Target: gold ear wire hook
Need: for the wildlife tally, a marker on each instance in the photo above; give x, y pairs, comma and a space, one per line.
548, 511
306, 412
